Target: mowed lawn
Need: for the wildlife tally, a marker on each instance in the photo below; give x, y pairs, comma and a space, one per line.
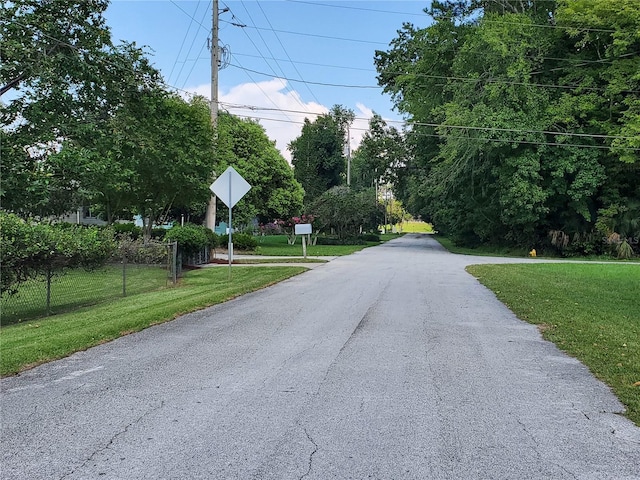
27, 344
79, 287
591, 311
276, 245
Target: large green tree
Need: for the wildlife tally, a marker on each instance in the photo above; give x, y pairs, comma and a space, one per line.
487, 95
345, 212
275, 193
318, 154
61, 80
381, 153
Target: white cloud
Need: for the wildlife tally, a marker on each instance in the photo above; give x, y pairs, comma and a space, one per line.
280, 111
360, 124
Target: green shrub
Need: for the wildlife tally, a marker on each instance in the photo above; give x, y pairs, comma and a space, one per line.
213, 239
131, 230
370, 237
191, 238
135, 250
159, 233
336, 240
241, 241
31, 249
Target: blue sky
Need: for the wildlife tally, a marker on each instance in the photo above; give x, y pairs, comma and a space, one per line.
279, 59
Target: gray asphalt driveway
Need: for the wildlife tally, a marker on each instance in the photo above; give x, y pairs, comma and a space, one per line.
392, 363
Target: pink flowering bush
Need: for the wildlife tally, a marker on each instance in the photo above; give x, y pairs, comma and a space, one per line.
271, 228
288, 226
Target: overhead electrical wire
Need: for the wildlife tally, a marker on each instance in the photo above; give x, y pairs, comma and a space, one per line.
410, 124
289, 89
184, 38
328, 37
580, 63
337, 5
247, 72
484, 139
499, 22
193, 66
459, 127
193, 41
206, 28
444, 77
287, 53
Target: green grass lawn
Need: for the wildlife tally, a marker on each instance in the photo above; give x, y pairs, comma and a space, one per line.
416, 227
490, 251
34, 342
257, 259
276, 245
591, 311
79, 287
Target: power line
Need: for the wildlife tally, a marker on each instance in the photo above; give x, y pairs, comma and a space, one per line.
183, 38
464, 127
192, 42
286, 53
447, 78
270, 52
328, 37
455, 137
305, 81
499, 22
357, 8
193, 66
205, 28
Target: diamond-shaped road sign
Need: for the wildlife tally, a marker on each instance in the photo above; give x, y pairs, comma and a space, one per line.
230, 187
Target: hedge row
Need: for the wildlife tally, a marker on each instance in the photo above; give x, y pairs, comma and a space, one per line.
29, 249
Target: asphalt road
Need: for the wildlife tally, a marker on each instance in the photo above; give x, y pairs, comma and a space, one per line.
392, 363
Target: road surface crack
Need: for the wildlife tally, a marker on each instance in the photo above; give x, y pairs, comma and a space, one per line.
537, 451
113, 439
315, 449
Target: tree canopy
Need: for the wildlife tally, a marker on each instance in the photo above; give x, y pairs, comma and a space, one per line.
275, 193
524, 116
88, 122
318, 154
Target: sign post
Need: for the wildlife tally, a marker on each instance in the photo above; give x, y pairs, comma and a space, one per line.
230, 187
303, 229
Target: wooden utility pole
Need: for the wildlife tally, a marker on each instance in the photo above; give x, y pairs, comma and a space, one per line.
215, 60
348, 156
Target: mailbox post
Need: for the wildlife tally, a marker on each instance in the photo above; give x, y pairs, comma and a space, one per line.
303, 229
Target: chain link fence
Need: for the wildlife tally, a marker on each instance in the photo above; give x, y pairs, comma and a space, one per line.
134, 269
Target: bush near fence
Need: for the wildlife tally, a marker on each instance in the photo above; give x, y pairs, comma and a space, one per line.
194, 243
30, 250
52, 268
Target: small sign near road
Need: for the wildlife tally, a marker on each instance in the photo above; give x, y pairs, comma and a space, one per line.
303, 229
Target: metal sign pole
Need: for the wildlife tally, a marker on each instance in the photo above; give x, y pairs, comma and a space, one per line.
221, 189
230, 232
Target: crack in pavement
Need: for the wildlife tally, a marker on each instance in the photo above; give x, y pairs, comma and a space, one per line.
537, 452
315, 449
113, 439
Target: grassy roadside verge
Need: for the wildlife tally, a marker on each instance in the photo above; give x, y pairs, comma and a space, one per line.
591, 311
481, 250
276, 245
31, 343
250, 261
